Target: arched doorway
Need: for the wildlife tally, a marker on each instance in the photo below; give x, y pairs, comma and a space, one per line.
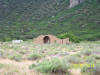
46, 40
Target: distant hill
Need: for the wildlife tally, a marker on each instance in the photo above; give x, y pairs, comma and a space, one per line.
26, 19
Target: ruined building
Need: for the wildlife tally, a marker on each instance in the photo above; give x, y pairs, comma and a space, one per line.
50, 39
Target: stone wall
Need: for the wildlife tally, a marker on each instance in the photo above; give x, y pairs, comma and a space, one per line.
38, 40
53, 39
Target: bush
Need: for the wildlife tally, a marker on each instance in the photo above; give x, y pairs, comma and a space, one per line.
16, 57
6, 39
51, 66
91, 59
97, 57
72, 37
34, 56
86, 52
97, 69
87, 70
1, 66
92, 70
74, 59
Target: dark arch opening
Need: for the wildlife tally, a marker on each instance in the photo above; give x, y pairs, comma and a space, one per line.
46, 40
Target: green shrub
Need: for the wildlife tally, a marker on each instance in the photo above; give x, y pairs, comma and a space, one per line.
34, 56
94, 69
86, 52
91, 59
76, 55
32, 66
97, 57
6, 39
72, 37
84, 68
74, 59
51, 66
87, 70
1, 66
91, 38
15, 57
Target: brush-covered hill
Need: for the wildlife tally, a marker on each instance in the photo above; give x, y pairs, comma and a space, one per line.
25, 19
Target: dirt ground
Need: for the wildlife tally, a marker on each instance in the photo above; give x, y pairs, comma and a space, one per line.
22, 68
16, 68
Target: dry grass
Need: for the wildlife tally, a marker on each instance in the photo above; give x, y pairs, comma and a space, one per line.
23, 51
16, 68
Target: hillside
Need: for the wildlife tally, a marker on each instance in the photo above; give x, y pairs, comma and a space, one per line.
25, 19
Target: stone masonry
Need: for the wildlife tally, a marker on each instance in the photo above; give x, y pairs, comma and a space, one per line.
50, 39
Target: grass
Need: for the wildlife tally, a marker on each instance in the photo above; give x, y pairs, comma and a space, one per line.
13, 68
74, 59
27, 49
52, 58
91, 70
86, 52
15, 57
51, 66
87, 70
34, 56
6, 69
1, 66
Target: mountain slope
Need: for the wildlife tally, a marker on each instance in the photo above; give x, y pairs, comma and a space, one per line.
25, 19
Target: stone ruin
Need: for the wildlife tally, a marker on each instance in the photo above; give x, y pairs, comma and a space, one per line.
50, 39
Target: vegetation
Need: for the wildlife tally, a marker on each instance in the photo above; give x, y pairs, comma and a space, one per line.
86, 52
91, 59
54, 59
1, 66
34, 56
74, 59
51, 66
72, 37
15, 57
27, 19
27, 50
94, 69
87, 70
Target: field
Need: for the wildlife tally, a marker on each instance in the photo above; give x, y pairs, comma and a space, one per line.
27, 58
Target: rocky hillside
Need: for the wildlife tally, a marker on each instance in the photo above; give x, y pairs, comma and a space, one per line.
75, 3
25, 19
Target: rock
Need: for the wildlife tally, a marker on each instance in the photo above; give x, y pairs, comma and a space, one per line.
16, 41
75, 2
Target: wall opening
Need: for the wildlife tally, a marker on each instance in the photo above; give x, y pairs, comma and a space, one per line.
46, 40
